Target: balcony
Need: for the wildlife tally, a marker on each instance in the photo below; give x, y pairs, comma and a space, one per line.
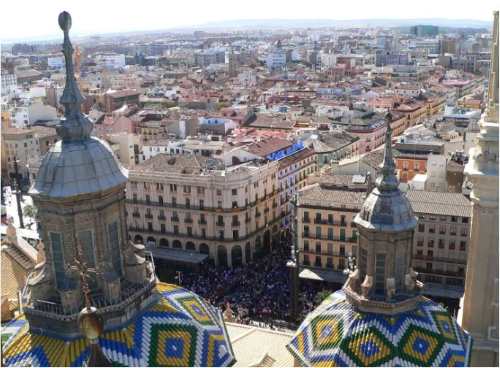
136, 214
188, 220
161, 218
218, 223
305, 220
148, 215
202, 222
174, 219
235, 223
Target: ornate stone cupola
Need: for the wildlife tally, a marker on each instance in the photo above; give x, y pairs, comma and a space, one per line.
384, 281
80, 196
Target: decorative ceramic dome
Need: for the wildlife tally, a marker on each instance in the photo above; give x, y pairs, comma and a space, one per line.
178, 329
336, 334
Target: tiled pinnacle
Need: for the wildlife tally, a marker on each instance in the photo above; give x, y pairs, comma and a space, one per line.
74, 126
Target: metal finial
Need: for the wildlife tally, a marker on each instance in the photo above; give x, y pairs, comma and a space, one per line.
75, 126
65, 21
387, 180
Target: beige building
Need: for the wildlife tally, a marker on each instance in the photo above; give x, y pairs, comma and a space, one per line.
20, 144
18, 261
441, 241
188, 207
325, 231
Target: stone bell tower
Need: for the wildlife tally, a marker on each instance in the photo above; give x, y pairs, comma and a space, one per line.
80, 196
384, 281
479, 315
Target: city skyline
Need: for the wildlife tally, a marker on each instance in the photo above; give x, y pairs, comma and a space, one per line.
101, 18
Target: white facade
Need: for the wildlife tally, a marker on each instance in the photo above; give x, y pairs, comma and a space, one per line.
328, 61
436, 174
55, 62
9, 84
112, 61
276, 59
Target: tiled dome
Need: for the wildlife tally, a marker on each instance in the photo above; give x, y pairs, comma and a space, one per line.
178, 329
336, 334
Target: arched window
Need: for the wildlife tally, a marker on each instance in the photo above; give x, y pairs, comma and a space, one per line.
222, 256
163, 242
190, 246
138, 239
204, 249
177, 244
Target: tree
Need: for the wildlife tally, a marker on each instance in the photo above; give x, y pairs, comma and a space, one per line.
30, 211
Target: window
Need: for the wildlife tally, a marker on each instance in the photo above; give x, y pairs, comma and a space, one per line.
114, 242
318, 232
306, 231
442, 229
173, 187
453, 219
150, 226
176, 229
174, 202
342, 234
306, 246
421, 228
200, 190
432, 229
58, 257
318, 217
462, 245
379, 273
362, 258
234, 192
330, 218
317, 261
187, 189
220, 220
160, 200
236, 235
234, 204
451, 245
189, 230
202, 204
464, 231
134, 197
330, 233
465, 220
330, 248
318, 247
453, 230
306, 216
430, 243
86, 240
162, 228
219, 192
342, 220
342, 250
329, 262
430, 253
441, 244
420, 242
306, 260
204, 233
219, 204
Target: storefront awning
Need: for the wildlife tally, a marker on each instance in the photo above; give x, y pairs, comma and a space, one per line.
323, 275
178, 255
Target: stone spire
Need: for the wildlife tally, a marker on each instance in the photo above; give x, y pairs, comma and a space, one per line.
479, 314
388, 181
74, 126
384, 281
492, 107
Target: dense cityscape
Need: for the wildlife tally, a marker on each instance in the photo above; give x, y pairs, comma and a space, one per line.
310, 196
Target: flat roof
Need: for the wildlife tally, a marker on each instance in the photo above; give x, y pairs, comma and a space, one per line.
178, 255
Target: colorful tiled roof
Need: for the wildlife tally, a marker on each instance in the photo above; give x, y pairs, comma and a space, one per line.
179, 329
336, 334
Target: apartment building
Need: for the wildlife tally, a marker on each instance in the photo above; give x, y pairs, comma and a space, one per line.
326, 234
20, 145
292, 175
441, 240
188, 207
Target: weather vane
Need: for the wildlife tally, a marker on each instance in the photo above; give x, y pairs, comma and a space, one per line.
80, 266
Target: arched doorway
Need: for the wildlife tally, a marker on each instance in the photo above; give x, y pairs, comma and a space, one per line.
236, 256
177, 244
163, 242
222, 256
190, 246
267, 241
248, 253
138, 239
204, 249
151, 241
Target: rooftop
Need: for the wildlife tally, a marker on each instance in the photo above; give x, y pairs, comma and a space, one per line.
439, 203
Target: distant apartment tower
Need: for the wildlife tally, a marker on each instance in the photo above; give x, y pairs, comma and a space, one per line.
424, 30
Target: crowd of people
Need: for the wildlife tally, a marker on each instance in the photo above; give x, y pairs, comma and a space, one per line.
257, 293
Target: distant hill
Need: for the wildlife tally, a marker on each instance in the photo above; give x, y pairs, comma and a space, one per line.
320, 23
